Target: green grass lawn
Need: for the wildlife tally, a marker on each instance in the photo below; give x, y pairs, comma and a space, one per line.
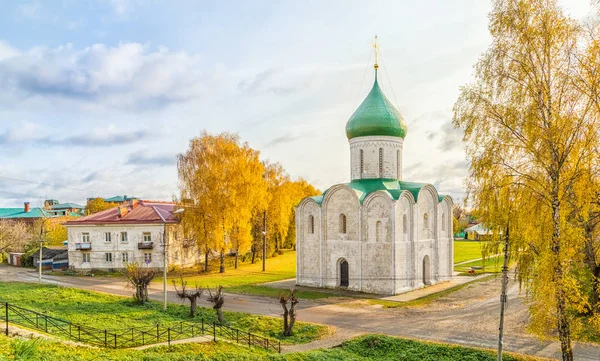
371, 347
278, 268
466, 250
491, 265
102, 311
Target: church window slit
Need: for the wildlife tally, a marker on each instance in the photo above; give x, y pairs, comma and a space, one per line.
398, 164
311, 224
444, 222
379, 231
362, 163
343, 223
380, 162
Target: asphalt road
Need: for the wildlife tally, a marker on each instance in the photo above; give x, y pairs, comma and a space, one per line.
470, 323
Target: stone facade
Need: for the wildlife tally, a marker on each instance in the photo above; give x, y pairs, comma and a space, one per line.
388, 242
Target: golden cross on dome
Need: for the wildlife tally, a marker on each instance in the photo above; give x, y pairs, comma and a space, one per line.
376, 49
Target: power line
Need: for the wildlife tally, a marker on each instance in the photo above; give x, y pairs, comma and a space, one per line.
44, 184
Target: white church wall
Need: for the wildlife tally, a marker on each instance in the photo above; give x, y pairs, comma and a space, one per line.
309, 250
404, 245
339, 244
377, 254
392, 157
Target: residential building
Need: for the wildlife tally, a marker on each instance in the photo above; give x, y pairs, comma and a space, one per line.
132, 232
25, 214
477, 232
66, 209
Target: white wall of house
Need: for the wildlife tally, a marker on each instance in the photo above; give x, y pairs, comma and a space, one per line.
114, 251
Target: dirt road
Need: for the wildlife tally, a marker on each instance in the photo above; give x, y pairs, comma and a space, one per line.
467, 317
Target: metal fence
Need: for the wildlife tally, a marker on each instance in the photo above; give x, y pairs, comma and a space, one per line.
133, 336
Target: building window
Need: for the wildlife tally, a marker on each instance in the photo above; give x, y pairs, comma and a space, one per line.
147, 257
125, 257
108, 257
124, 237
85, 237
311, 224
405, 224
444, 222
86, 257
379, 236
362, 163
398, 164
343, 223
380, 162
107, 237
147, 237
425, 221
175, 235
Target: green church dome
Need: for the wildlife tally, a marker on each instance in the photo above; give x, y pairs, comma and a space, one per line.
376, 116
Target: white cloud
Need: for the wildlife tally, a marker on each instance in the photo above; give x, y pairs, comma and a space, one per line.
129, 75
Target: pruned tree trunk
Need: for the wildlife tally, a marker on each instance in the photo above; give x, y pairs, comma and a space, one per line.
220, 315
253, 253
289, 315
237, 253
190, 295
217, 299
193, 306
140, 278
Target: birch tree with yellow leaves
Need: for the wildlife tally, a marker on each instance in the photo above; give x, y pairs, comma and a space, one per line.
220, 184
531, 136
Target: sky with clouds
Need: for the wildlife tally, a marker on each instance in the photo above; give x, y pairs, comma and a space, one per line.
98, 97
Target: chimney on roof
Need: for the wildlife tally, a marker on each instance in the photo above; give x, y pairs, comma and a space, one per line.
26, 207
123, 210
134, 202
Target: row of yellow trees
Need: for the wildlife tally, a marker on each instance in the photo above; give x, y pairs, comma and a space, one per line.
226, 191
531, 120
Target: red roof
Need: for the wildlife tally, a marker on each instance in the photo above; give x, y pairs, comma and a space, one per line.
134, 212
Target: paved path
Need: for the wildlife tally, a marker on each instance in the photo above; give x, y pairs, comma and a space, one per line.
471, 324
438, 287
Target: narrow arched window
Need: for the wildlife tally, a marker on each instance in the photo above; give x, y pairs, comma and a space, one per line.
362, 163
398, 164
405, 224
379, 236
444, 222
343, 223
311, 224
425, 221
380, 162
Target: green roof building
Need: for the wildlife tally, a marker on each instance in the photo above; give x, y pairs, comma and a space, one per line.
377, 233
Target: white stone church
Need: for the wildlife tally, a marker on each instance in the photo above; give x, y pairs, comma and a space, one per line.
378, 233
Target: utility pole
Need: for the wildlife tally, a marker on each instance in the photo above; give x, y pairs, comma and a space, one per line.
264, 252
503, 297
165, 268
41, 250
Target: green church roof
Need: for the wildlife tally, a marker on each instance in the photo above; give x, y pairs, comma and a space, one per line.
376, 115
394, 187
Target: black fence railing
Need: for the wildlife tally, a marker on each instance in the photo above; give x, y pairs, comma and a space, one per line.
134, 336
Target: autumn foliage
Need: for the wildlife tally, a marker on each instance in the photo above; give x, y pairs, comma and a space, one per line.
225, 191
531, 121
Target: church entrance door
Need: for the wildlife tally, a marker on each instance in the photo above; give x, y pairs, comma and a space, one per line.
344, 278
426, 271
